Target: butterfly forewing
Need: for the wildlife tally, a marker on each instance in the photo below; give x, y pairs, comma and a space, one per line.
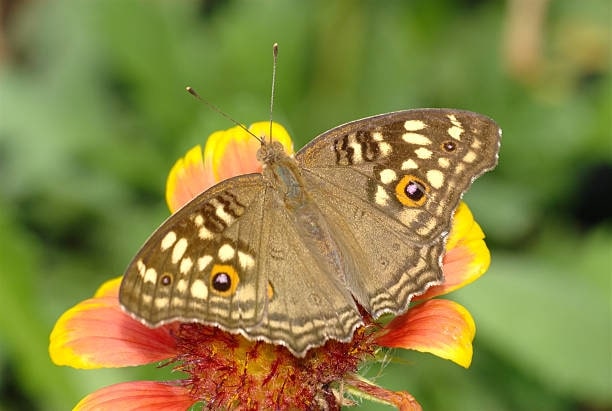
413, 165
202, 263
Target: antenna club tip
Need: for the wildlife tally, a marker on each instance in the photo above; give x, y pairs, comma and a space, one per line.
275, 49
191, 91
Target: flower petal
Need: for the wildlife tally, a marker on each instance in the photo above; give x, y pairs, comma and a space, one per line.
138, 395
467, 256
231, 152
440, 327
227, 153
234, 151
279, 133
109, 288
96, 333
188, 178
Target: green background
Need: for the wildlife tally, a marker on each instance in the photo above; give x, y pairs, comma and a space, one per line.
93, 114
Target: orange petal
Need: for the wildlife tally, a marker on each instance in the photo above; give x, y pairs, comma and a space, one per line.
188, 178
467, 256
138, 395
231, 152
227, 153
96, 333
440, 327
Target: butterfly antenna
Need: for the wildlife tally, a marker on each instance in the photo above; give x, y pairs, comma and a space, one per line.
274, 62
210, 105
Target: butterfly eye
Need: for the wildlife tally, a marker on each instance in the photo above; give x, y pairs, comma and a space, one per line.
411, 191
449, 146
224, 279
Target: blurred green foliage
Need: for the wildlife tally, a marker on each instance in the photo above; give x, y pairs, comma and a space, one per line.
93, 114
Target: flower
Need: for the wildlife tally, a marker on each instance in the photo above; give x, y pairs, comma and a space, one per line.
227, 371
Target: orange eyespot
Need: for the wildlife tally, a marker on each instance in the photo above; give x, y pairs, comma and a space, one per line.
411, 191
224, 279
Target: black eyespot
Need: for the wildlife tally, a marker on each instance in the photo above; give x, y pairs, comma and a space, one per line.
166, 279
222, 282
414, 190
449, 145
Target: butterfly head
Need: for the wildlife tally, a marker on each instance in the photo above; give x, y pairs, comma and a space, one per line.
270, 153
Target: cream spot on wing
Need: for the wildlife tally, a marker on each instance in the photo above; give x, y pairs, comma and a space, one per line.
150, 276
423, 153
199, 290
146, 299
186, 264
416, 138
444, 162
245, 260
435, 178
476, 144
456, 129
168, 240
141, 268
414, 125
161, 302
384, 149
203, 262
179, 249
181, 285
427, 227
198, 220
220, 212
409, 216
381, 198
178, 302
377, 136
205, 233
469, 157
226, 252
387, 176
409, 165
357, 154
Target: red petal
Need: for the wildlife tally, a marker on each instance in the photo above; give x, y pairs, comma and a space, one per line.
138, 395
440, 327
96, 333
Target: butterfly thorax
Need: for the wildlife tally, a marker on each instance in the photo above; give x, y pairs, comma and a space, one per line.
282, 174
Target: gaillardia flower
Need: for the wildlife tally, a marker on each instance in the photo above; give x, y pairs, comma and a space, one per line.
226, 371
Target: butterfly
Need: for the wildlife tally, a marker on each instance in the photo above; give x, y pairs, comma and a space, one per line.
357, 218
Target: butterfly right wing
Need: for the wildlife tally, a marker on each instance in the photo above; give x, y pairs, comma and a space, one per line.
390, 184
